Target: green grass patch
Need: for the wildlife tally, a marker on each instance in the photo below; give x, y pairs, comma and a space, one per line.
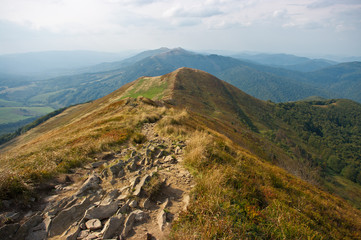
344, 188
153, 91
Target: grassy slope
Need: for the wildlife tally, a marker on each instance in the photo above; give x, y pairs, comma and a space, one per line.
239, 195
65, 141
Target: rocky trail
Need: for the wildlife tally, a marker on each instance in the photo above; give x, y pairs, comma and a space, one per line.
132, 194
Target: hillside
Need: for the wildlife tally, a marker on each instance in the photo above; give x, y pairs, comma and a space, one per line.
251, 78
162, 156
287, 61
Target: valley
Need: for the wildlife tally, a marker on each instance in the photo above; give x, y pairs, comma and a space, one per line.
267, 82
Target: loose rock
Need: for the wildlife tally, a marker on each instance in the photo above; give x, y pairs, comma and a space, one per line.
133, 203
93, 224
147, 204
140, 215
162, 218
83, 234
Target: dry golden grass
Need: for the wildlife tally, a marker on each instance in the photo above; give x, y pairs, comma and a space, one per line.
174, 123
239, 196
197, 148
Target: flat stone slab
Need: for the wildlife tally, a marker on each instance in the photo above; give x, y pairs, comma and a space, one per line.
102, 211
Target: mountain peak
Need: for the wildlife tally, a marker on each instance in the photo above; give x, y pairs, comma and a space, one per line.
200, 92
188, 70
174, 51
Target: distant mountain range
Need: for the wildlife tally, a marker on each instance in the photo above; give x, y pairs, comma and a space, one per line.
287, 61
264, 82
275, 83
42, 65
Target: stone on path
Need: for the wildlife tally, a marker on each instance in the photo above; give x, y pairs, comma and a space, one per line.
102, 211
68, 216
128, 225
113, 226
117, 170
140, 185
92, 183
93, 224
162, 219
24, 229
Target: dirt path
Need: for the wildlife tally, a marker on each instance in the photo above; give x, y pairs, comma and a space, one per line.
133, 194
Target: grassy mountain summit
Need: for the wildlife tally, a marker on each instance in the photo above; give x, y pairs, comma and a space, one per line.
255, 175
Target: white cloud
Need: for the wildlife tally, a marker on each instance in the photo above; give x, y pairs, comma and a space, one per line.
193, 11
99, 16
159, 19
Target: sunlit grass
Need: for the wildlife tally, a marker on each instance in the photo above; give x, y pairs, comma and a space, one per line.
155, 90
73, 144
240, 196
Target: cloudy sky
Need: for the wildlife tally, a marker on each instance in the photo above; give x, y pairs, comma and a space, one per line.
303, 27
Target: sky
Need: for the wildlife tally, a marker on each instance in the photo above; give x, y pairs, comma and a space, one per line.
303, 27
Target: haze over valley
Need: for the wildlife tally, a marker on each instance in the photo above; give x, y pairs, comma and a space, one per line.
27, 95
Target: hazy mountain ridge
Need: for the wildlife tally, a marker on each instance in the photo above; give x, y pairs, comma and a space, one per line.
287, 61
264, 82
53, 62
